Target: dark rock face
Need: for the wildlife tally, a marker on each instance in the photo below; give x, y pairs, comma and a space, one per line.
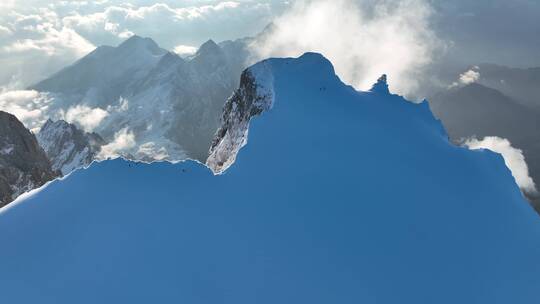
249, 100
199, 100
23, 163
68, 147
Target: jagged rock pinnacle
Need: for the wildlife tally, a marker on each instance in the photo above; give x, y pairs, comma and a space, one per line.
381, 86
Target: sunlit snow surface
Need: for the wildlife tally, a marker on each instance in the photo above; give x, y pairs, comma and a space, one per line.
338, 197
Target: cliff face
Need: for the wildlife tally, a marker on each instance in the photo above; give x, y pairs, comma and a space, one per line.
67, 147
254, 96
23, 163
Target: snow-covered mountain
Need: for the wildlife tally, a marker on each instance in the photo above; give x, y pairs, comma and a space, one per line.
67, 147
23, 163
339, 196
169, 105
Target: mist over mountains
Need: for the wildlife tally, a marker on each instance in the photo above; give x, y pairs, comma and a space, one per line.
492, 100
135, 100
169, 107
146, 103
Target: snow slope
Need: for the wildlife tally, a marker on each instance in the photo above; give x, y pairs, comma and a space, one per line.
339, 196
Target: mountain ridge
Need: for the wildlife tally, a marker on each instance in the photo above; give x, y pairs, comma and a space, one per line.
174, 103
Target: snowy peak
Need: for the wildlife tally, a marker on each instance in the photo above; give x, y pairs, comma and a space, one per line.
174, 104
209, 48
255, 95
135, 43
67, 147
209, 58
106, 70
170, 58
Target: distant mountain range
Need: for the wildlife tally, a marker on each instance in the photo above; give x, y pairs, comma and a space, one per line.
503, 102
162, 99
522, 85
169, 107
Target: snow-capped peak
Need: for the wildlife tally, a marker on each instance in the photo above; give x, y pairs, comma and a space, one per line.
137, 42
67, 147
208, 48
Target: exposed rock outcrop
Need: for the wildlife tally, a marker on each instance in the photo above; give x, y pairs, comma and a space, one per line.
68, 147
23, 163
254, 95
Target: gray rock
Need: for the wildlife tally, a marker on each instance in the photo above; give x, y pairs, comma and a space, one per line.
254, 96
67, 147
23, 163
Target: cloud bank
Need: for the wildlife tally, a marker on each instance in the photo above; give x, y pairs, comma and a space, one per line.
84, 116
185, 50
34, 45
28, 106
513, 159
363, 39
123, 141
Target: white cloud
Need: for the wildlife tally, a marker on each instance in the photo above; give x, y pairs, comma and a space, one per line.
28, 106
38, 44
172, 23
362, 39
150, 150
185, 50
4, 31
513, 158
468, 77
123, 105
86, 117
125, 34
123, 141
471, 76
